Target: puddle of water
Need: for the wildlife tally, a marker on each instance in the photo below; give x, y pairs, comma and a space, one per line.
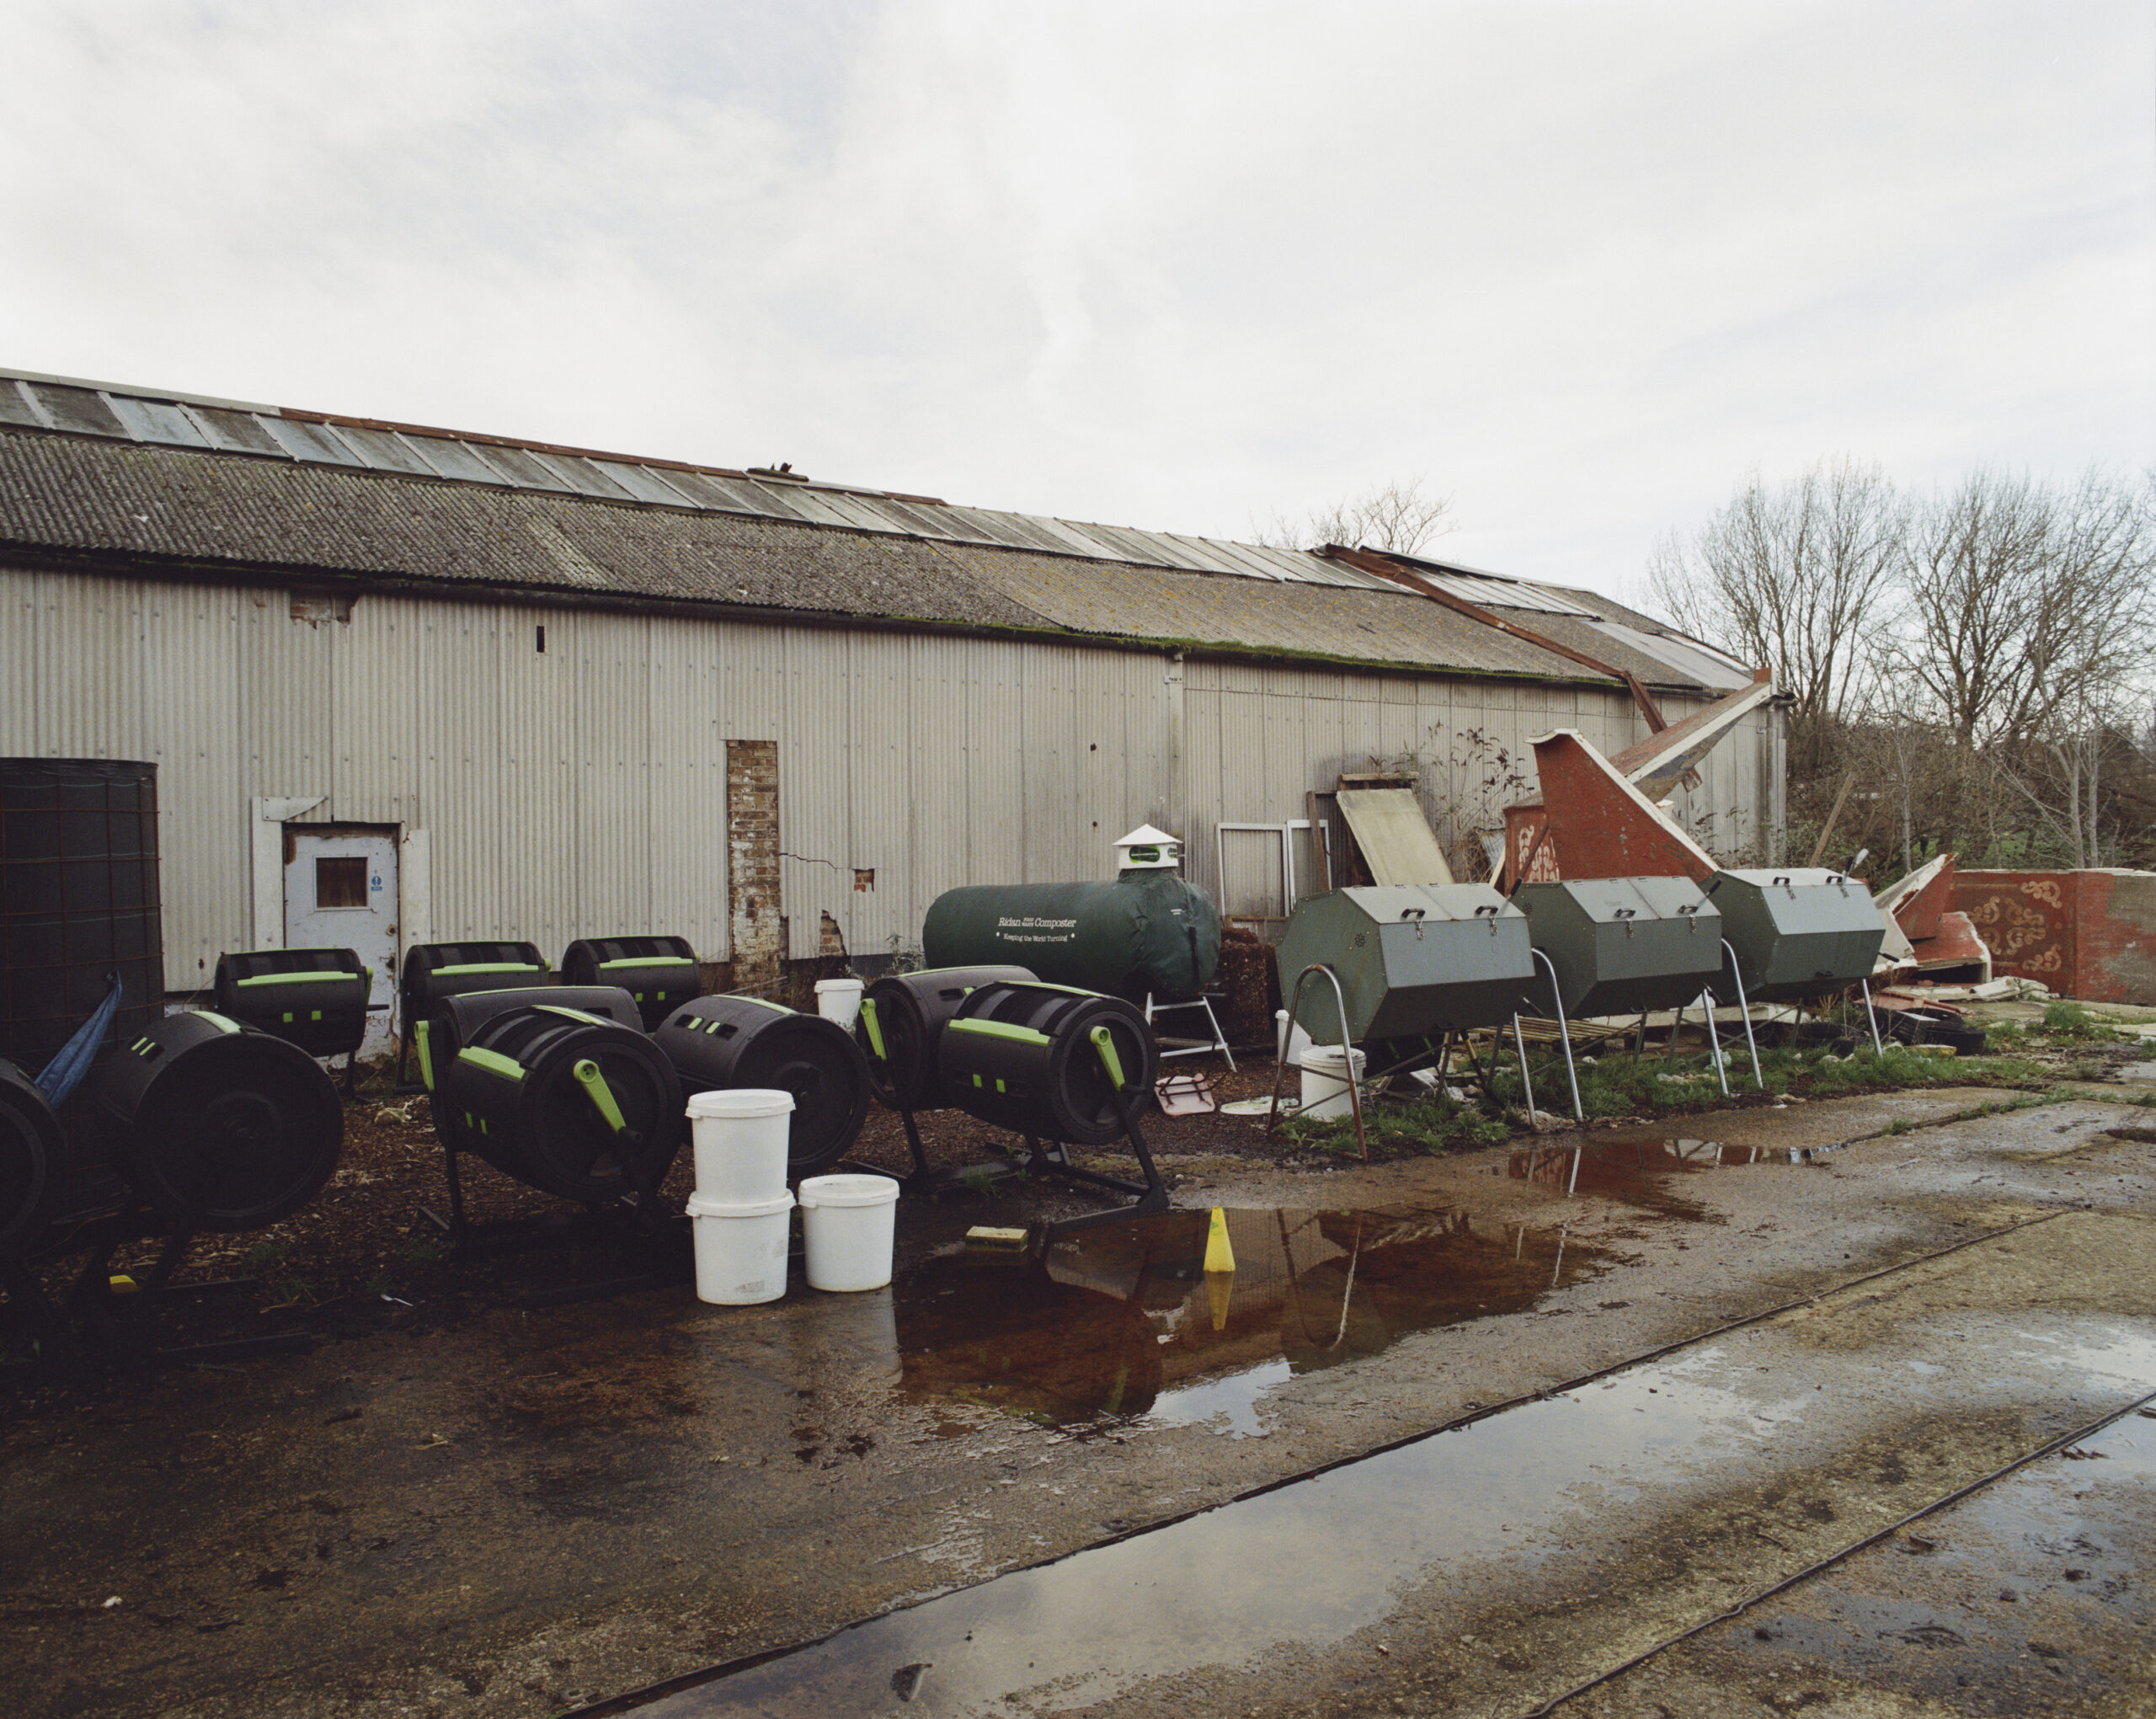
1215, 1590
1123, 1321
1639, 1169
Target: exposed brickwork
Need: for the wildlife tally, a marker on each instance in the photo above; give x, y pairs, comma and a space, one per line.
2089, 934
757, 928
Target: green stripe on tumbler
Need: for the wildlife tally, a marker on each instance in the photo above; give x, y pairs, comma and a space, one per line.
1000, 1029
508, 1067
300, 977
648, 961
426, 1056
589, 1020
218, 1021
490, 967
875, 1030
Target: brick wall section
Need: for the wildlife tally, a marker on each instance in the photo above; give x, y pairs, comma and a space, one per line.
2088, 934
756, 929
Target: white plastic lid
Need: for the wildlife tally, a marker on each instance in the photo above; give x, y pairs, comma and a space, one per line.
823, 984
1327, 1057
737, 1103
848, 1191
699, 1206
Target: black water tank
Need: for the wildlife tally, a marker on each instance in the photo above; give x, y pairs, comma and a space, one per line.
33, 1158
529, 1093
78, 900
1047, 1060
220, 1125
660, 973
719, 1042
902, 1016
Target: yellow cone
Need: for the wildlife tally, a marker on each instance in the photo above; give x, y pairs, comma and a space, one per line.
1219, 1290
1218, 1255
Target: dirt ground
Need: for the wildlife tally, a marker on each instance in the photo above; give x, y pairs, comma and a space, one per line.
1084, 1478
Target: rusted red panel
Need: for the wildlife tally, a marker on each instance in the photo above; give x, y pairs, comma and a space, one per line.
1605, 825
1918, 916
2088, 934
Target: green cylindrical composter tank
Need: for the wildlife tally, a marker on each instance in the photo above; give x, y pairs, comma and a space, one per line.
902, 1017
220, 1125
719, 1042
1148, 933
564, 1101
1047, 1060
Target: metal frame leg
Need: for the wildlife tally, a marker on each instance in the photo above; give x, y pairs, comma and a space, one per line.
1564, 1033
1714, 1041
1354, 1086
1744, 1003
1872, 1015
1526, 1079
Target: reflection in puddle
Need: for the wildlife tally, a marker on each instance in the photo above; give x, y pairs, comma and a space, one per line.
1637, 1168
1123, 1321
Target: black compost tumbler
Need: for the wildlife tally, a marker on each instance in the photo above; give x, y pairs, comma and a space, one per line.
220, 1126
660, 973
33, 1158
1047, 1061
721, 1042
901, 1022
562, 1099
316, 999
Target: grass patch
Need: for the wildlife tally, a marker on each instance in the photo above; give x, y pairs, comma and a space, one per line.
1650, 1088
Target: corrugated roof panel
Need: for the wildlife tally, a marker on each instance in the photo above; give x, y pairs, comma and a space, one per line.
1069, 538
1220, 556
1695, 662
15, 407
643, 483
454, 459
1015, 530
583, 476
384, 451
807, 504
314, 442
1491, 593
156, 420
523, 470
79, 409
734, 496
862, 512
923, 521
239, 432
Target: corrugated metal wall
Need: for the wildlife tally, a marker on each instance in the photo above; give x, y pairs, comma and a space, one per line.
582, 791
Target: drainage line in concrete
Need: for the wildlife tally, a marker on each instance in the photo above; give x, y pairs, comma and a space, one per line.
634, 1699
2064, 1441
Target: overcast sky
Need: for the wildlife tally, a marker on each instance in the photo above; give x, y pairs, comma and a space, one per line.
1182, 266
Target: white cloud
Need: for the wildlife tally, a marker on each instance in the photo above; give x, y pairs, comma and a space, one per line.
1579, 265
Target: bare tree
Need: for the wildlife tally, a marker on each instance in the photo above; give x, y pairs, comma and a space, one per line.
1794, 578
1395, 516
2027, 602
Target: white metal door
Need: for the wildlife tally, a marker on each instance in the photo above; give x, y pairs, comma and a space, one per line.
340, 893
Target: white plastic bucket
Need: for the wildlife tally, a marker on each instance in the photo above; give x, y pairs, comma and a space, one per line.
740, 1137
741, 1248
1283, 1051
839, 1000
1324, 1083
847, 1223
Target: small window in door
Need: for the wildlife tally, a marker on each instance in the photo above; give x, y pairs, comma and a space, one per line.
340, 881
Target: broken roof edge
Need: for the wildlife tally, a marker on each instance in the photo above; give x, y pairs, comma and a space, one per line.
194, 570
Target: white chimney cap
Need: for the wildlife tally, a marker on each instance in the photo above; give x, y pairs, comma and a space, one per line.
1147, 848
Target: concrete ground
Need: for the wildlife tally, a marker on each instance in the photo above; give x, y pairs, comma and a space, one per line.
520, 1512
